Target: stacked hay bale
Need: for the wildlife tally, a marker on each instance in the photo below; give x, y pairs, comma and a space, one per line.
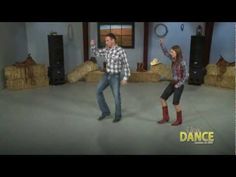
25, 77
144, 77
81, 71
211, 78
215, 77
228, 78
94, 76
40, 76
163, 70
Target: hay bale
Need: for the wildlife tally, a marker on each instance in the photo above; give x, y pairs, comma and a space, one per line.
13, 72
163, 70
94, 76
230, 72
215, 76
25, 76
225, 82
41, 82
39, 70
21, 72
18, 84
212, 69
228, 82
81, 71
210, 80
144, 77
35, 71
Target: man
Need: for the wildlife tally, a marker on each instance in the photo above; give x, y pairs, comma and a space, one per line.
116, 60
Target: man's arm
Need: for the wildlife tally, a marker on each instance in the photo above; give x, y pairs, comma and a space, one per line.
125, 65
97, 52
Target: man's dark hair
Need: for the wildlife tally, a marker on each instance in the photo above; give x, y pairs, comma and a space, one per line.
111, 35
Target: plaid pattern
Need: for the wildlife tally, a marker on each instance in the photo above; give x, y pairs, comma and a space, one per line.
115, 58
179, 69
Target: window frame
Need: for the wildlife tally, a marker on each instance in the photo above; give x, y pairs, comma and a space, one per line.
100, 41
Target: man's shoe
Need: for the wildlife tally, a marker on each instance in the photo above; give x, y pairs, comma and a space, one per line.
117, 119
103, 116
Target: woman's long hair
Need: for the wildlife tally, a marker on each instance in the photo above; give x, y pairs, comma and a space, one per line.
178, 51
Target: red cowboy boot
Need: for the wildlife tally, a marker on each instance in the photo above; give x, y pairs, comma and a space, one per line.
165, 115
179, 119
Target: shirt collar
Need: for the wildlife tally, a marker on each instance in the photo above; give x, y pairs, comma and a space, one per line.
115, 46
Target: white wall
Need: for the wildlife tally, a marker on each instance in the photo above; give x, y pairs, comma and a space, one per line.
134, 55
13, 45
38, 42
223, 42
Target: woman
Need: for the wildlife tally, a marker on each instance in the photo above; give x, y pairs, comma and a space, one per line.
176, 86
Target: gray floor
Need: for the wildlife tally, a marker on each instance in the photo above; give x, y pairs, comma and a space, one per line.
63, 120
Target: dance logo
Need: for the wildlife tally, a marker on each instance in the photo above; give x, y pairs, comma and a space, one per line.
196, 136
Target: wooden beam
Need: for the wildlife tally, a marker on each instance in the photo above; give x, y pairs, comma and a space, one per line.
145, 44
85, 39
209, 26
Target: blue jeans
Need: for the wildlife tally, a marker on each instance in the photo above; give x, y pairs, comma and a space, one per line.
114, 81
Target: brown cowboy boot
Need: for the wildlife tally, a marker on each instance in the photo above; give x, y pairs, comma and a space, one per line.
165, 115
179, 119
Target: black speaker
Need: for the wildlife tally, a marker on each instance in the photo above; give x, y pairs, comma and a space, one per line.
196, 76
56, 72
197, 51
196, 70
56, 75
56, 53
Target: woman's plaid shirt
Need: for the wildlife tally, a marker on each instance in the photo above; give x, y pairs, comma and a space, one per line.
179, 69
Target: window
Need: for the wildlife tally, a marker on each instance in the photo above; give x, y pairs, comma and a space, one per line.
124, 33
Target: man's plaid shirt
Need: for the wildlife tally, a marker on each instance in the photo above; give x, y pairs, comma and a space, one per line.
179, 69
115, 58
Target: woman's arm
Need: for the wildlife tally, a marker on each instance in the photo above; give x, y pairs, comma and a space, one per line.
184, 74
164, 49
